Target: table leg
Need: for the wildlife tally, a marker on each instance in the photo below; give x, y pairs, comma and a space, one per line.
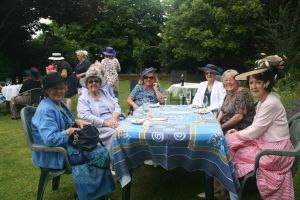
126, 189
209, 187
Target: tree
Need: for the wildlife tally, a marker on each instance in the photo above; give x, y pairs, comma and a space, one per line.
217, 31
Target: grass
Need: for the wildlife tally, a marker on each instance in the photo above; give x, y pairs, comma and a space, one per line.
19, 178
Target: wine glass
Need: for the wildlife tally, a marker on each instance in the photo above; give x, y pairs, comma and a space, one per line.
165, 98
180, 94
17, 80
188, 97
205, 101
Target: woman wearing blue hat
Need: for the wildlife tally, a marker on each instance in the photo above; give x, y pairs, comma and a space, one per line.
147, 88
210, 93
111, 67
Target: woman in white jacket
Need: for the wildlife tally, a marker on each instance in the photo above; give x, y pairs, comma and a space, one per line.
212, 89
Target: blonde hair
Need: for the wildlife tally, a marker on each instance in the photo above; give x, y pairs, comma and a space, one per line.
84, 53
141, 81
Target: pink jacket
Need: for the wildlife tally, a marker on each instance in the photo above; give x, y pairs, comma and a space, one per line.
270, 121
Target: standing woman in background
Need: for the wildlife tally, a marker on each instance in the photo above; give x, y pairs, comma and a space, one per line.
82, 66
111, 67
66, 71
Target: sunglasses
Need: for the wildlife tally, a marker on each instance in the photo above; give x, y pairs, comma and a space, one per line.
206, 73
93, 81
149, 77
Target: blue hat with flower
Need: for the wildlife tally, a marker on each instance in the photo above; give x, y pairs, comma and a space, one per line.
212, 68
147, 70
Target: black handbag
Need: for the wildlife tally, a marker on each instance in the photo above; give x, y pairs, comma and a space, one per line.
86, 138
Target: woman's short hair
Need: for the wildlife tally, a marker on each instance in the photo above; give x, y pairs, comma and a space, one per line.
267, 78
231, 72
82, 52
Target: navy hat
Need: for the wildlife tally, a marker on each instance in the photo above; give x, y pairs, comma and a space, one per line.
147, 70
52, 80
109, 51
212, 68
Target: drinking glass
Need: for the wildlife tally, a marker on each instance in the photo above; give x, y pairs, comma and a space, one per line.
166, 98
8, 81
180, 94
188, 97
205, 101
145, 105
17, 80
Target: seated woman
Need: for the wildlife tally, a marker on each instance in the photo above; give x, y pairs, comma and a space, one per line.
269, 130
98, 105
52, 125
147, 87
212, 90
237, 110
32, 82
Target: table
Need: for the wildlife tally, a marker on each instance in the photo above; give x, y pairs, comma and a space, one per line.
187, 139
11, 91
177, 89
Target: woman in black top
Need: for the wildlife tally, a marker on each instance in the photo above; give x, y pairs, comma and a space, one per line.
22, 99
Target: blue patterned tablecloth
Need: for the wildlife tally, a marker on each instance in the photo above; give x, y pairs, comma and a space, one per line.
186, 139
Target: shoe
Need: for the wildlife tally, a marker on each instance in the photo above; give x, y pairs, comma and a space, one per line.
217, 195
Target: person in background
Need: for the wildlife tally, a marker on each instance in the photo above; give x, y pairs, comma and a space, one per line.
111, 67
237, 110
211, 91
82, 66
269, 130
99, 106
147, 87
32, 82
50, 68
52, 125
65, 69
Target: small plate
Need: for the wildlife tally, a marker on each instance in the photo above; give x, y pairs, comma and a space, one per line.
137, 121
158, 119
154, 105
203, 110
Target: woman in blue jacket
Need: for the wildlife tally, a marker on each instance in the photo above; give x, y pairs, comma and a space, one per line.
52, 124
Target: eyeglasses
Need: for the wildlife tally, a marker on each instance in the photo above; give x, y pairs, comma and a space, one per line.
149, 77
93, 81
206, 73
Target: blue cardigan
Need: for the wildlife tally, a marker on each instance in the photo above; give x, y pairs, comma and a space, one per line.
49, 128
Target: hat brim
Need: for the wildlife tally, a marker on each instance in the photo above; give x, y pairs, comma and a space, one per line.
208, 69
108, 54
83, 80
56, 58
243, 76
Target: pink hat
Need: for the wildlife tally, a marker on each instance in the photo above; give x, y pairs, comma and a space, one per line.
50, 67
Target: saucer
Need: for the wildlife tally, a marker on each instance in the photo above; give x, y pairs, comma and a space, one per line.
137, 121
203, 110
154, 105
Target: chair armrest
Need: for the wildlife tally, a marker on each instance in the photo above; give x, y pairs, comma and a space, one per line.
44, 148
290, 153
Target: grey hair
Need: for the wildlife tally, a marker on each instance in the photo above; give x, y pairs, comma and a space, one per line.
83, 52
231, 72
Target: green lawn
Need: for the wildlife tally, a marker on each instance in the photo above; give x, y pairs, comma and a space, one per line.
19, 178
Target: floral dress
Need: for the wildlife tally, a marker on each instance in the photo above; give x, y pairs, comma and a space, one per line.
239, 102
111, 67
139, 92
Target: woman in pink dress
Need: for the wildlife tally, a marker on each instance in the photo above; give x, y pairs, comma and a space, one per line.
269, 130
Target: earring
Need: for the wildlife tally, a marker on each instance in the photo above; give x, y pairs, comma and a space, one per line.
267, 84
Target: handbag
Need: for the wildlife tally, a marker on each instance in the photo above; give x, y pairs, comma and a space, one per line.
86, 138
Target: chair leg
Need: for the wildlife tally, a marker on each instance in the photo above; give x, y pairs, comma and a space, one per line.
126, 189
55, 183
42, 183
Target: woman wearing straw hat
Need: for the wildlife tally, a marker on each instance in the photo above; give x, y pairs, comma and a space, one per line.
98, 105
111, 67
269, 130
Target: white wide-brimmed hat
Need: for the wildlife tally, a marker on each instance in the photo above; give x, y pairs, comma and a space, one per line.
262, 65
92, 72
56, 56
